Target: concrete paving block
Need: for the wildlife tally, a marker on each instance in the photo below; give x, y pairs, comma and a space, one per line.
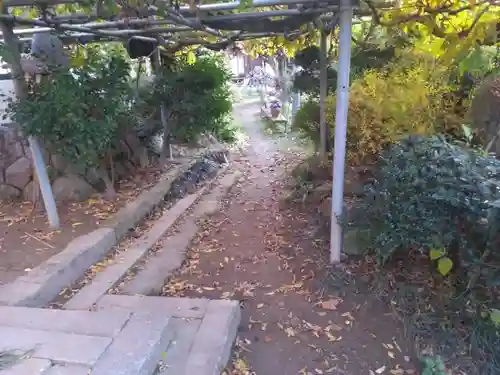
151, 279
49, 278
211, 203
68, 369
56, 346
130, 215
176, 356
19, 293
91, 323
29, 366
181, 307
213, 342
138, 349
114, 273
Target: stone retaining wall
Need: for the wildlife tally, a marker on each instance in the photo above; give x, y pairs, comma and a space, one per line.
16, 173
69, 182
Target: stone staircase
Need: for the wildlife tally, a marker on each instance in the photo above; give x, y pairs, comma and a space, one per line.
123, 335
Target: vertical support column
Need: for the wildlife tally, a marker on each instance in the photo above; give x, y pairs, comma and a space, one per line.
43, 180
342, 105
166, 151
323, 87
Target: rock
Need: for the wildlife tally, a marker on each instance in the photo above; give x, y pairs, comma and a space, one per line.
74, 169
93, 178
8, 192
354, 188
351, 242
19, 173
59, 163
325, 207
71, 187
29, 191
18, 149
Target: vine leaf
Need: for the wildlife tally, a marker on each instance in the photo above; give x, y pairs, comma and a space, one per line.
435, 254
444, 265
495, 316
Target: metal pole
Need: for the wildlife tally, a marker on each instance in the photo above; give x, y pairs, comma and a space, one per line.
166, 149
336, 239
323, 82
43, 180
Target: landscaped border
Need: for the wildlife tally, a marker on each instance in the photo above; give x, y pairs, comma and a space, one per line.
42, 284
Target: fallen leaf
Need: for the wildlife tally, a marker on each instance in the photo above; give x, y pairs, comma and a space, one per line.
331, 304
290, 332
390, 354
380, 370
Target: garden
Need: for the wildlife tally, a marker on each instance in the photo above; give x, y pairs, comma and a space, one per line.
423, 184
422, 188
100, 124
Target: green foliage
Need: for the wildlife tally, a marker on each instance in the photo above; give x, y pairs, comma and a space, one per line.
78, 113
443, 200
433, 366
436, 197
306, 121
197, 98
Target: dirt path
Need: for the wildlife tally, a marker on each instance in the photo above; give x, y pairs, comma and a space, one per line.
273, 259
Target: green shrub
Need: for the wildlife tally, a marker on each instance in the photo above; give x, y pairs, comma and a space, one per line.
306, 121
435, 197
197, 97
442, 200
80, 113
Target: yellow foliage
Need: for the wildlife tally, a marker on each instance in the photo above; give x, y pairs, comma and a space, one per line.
407, 97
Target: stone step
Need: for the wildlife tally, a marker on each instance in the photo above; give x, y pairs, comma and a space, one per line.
203, 330
138, 348
133, 344
114, 273
105, 324
30, 366
159, 267
55, 346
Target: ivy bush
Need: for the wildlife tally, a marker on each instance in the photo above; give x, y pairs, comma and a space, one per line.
439, 198
197, 97
442, 200
79, 113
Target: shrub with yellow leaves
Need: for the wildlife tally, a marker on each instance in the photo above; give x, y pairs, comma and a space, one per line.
409, 96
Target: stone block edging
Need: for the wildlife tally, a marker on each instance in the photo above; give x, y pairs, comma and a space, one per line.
42, 284
112, 275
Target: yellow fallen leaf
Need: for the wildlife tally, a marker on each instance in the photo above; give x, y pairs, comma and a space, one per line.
331, 304
290, 332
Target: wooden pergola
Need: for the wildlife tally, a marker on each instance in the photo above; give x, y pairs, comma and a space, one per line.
169, 27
